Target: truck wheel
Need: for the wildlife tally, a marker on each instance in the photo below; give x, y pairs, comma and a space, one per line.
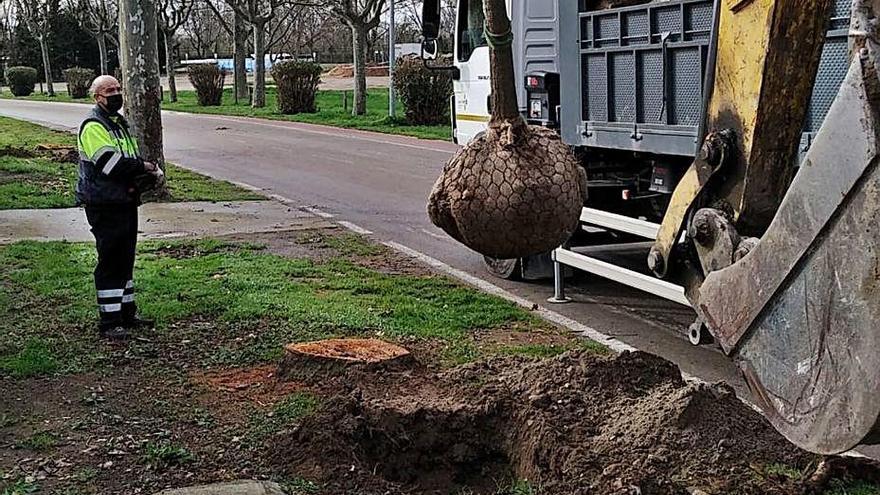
506, 269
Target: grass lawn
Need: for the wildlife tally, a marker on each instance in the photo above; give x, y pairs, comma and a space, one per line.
30, 179
240, 289
330, 111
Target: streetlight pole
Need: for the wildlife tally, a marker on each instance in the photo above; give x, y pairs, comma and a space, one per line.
391, 59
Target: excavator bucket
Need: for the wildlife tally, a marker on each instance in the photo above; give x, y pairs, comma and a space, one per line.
800, 312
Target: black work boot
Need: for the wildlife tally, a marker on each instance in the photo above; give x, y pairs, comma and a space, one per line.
115, 332
138, 322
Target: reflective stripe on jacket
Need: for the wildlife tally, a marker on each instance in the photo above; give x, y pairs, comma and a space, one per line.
108, 161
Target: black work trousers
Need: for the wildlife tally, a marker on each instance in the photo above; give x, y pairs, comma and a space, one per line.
115, 231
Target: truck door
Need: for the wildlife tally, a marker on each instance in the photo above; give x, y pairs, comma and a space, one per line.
473, 88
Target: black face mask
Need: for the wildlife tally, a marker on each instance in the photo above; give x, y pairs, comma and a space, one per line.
114, 103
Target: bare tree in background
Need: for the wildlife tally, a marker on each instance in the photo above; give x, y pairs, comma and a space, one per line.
258, 13
205, 31
309, 25
281, 30
37, 15
98, 18
172, 14
7, 28
360, 16
239, 31
139, 53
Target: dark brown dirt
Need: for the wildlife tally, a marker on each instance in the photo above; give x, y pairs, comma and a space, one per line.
575, 424
17, 152
58, 153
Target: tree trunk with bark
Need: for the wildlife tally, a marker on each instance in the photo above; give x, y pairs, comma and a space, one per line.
239, 63
169, 66
102, 51
259, 99
515, 190
139, 53
47, 64
359, 46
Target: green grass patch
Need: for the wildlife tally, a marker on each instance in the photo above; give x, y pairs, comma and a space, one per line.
839, 487
39, 182
163, 455
255, 301
331, 111
290, 409
351, 245
300, 486
19, 487
33, 359
40, 442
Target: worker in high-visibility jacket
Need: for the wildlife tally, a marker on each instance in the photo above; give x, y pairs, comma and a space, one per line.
112, 176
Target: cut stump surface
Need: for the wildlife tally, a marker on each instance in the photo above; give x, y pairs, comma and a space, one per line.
310, 361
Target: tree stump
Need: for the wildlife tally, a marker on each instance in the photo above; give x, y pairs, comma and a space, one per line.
315, 361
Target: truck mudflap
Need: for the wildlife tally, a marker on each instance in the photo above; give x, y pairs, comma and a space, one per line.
799, 309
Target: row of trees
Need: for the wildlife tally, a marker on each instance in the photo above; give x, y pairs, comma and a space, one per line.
203, 28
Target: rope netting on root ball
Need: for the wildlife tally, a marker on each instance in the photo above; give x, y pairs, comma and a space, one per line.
514, 190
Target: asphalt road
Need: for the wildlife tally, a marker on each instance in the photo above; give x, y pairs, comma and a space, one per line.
381, 182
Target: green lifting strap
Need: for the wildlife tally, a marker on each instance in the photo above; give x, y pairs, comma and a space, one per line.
496, 41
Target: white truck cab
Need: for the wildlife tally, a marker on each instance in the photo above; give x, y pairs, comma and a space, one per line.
533, 24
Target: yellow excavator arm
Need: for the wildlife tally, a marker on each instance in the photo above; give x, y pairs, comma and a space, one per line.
782, 263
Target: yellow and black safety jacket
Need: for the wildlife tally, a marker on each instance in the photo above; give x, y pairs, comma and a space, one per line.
108, 161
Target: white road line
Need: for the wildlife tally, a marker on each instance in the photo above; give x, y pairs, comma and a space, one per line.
436, 236
316, 212
282, 199
245, 185
552, 316
354, 228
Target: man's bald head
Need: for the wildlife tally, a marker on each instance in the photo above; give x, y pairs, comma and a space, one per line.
107, 90
102, 84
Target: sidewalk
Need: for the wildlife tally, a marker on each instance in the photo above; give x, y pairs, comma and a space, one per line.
162, 221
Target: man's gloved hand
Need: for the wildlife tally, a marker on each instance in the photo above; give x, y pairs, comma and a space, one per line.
152, 178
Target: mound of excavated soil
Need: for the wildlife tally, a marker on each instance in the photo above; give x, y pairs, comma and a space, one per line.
347, 70
575, 424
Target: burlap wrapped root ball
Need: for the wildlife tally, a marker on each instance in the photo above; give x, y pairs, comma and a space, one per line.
513, 191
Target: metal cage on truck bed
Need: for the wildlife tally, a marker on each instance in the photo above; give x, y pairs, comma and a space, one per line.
641, 74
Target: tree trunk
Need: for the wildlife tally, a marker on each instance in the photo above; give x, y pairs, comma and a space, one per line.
239, 63
47, 67
259, 100
169, 66
359, 47
102, 51
504, 105
139, 53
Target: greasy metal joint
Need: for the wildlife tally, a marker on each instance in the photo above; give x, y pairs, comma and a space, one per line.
701, 230
656, 262
716, 147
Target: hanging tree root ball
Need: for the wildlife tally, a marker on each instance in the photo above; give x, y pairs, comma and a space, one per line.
513, 191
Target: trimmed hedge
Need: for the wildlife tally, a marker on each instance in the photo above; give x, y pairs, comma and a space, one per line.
297, 86
424, 92
207, 79
78, 81
21, 80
